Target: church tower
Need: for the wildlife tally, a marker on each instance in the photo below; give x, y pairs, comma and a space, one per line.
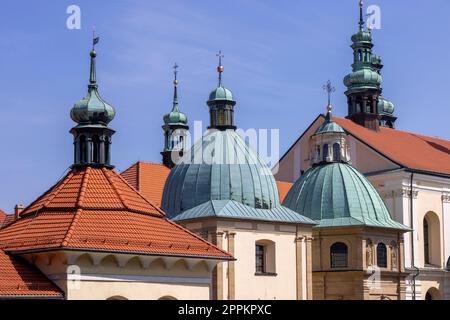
366, 106
92, 137
175, 129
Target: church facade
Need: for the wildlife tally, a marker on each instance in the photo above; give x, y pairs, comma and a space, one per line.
410, 171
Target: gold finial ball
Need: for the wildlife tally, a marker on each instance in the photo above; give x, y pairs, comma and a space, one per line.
175, 82
93, 54
329, 108
220, 69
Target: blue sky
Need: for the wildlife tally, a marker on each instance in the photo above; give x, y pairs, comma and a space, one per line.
278, 54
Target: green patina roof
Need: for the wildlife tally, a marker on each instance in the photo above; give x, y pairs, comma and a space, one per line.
92, 109
337, 195
385, 107
233, 209
329, 126
362, 78
221, 166
221, 94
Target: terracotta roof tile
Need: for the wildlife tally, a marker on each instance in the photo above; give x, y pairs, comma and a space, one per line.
97, 209
283, 189
17, 278
5, 219
148, 178
408, 149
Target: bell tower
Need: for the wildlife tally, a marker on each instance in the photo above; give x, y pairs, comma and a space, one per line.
175, 129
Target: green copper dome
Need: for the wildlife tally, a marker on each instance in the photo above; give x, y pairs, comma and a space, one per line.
385, 107
221, 166
363, 78
362, 36
336, 194
221, 94
92, 109
175, 117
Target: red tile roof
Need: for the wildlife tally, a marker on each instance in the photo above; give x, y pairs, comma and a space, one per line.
95, 209
5, 219
283, 189
2, 217
18, 278
410, 150
149, 179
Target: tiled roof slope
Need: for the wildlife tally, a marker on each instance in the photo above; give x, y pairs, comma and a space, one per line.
2, 218
95, 209
148, 178
283, 189
408, 149
18, 279
5, 219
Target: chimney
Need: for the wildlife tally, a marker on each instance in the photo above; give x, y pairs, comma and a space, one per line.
17, 211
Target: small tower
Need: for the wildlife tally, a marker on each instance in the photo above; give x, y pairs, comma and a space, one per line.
92, 137
221, 104
329, 143
366, 106
364, 83
175, 129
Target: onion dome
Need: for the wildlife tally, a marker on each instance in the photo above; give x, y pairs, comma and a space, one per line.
363, 78
336, 195
385, 107
362, 36
92, 109
221, 166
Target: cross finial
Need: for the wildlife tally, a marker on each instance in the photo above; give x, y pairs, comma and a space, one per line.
361, 18
329, 89
220, 67
175, 73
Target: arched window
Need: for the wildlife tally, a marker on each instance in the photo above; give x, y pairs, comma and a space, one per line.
325, 152
381, 255
83, 149
265, 257
426, 243
336, 152
339, 255
432, 239
96, 153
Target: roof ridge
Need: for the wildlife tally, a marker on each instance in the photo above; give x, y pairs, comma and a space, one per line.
139, 193
69, 232
400, 130
118, 193
83, 187
51, 192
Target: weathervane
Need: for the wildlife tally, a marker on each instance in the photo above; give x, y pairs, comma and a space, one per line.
220, 67
95, 39
329, 89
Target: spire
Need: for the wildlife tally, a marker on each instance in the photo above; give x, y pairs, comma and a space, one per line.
175, 87
220, 67
361, 16
93, 73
